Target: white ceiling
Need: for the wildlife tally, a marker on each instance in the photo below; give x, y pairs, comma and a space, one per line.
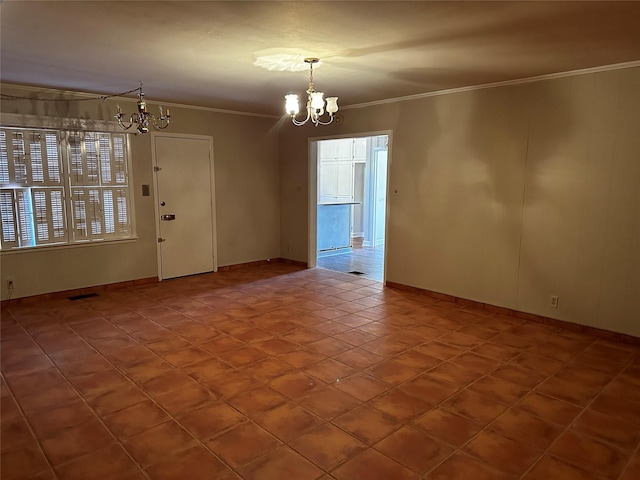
204, 52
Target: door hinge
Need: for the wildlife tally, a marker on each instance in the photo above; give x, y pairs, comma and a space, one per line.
160, 240
156, 168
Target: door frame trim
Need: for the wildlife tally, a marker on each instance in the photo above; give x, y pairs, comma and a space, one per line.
375, 152
312, 227
154, 161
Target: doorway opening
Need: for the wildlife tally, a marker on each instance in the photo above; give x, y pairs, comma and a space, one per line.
350, 204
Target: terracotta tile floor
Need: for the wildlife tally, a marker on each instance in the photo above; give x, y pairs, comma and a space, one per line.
273, 372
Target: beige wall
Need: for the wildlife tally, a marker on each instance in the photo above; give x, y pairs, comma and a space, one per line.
506, 195
247, 200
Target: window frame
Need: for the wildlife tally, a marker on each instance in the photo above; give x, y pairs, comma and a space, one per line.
119, 185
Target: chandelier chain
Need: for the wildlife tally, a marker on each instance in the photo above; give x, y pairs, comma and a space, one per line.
311, 89
6, 96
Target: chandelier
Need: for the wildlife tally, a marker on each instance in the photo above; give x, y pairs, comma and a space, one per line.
315, 103
143, 119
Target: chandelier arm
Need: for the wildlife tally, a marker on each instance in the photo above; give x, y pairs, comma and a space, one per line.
123, 125
319, 122
299, 123
164, 122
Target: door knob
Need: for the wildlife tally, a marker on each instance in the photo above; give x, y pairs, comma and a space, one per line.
167, 217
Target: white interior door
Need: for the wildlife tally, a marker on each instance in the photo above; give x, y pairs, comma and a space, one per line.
184, 196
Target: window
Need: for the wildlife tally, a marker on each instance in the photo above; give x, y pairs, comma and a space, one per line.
63, 187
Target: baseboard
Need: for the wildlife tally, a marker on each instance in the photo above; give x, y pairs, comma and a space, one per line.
574, 327
237, 266
131, 283
335, 251
79, 291
296, 263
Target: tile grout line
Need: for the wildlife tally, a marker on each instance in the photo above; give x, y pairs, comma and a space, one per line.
305, 346
578, 416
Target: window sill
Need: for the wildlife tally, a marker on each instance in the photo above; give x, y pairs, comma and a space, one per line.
64, 246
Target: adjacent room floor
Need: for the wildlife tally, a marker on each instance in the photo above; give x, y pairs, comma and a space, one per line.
273, 372
367, 262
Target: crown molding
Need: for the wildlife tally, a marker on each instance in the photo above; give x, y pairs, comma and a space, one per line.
86, 95
520, 81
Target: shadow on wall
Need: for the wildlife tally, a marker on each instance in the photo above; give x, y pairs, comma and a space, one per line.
416, 128
78, 112
522, 142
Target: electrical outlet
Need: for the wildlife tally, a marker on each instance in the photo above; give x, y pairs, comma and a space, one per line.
9, 284
553, 301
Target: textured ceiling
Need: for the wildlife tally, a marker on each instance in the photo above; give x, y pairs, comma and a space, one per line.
206, 53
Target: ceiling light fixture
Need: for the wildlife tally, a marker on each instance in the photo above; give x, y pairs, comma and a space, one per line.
143, 119
315, 103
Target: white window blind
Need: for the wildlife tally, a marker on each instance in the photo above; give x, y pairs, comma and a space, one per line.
59, 187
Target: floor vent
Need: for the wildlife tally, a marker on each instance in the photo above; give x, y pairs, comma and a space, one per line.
84, 295
354, 272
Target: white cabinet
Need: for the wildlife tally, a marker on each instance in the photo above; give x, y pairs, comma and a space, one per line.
335, 182
336, 150
360, 149
336, 159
